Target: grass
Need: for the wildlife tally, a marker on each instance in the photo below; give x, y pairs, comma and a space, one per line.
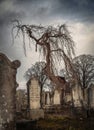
58, 122
65, 123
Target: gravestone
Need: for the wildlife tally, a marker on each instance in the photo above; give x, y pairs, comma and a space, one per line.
34, 94
57, 95
77, 96
48, 98
90, 96
34, 99
8, 87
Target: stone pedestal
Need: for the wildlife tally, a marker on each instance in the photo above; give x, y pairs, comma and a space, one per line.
36, 114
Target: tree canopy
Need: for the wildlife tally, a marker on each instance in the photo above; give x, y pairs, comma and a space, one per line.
37, 70
84, 67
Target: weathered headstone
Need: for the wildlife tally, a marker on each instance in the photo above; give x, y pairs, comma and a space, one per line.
52, 98
90, 96
8, 87
57, 95
34, 94
34, 99
77, 96
48, 98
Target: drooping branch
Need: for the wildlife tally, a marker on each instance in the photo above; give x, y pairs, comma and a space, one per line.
51, 38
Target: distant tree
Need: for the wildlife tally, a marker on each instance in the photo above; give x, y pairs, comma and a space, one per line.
84, 67
37, 70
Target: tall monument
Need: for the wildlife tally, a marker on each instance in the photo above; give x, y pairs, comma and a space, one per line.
34, 94
33, 89
8, 87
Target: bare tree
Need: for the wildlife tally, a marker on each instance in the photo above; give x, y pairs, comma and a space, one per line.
84, 67
55, 43
37, 70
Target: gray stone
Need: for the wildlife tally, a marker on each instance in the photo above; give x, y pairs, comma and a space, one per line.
36, 114
57, 95
48, 98
34, 93
8, 87
34, 99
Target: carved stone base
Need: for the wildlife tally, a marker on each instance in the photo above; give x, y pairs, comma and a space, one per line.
36, 114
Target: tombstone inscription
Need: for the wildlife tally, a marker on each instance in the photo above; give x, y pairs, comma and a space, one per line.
34, 99
34, 94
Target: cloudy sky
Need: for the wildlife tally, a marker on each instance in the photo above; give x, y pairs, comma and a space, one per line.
77, 14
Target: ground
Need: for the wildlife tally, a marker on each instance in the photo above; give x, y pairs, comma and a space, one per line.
58, 123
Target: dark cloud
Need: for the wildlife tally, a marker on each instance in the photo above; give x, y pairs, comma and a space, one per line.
26, 1
76, 9
7, 17
45, 10
69, 9
2, 1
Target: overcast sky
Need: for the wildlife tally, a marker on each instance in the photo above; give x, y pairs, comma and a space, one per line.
77, 14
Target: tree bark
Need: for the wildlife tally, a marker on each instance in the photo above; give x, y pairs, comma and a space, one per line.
41, 103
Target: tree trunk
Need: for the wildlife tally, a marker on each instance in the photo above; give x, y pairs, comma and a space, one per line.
84, 105
41, 103
83, 91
